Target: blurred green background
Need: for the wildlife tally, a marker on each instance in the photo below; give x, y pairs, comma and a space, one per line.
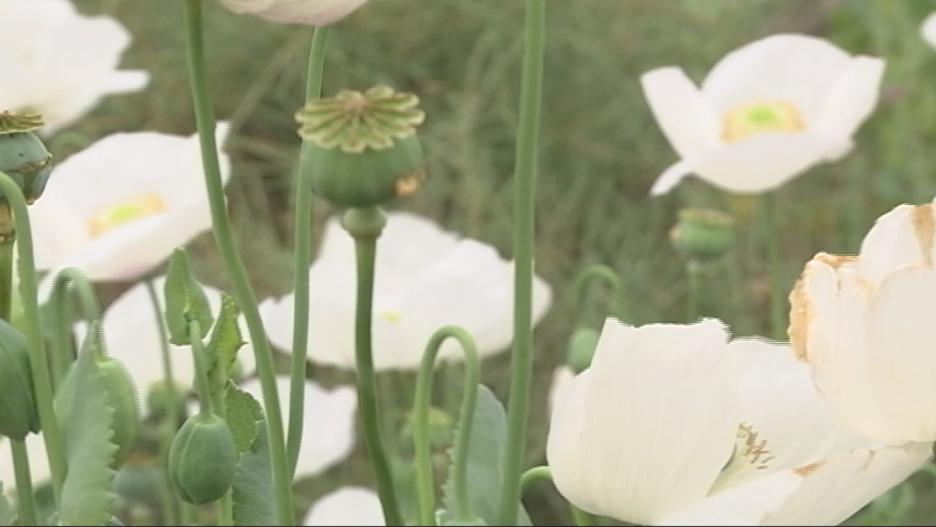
600, 152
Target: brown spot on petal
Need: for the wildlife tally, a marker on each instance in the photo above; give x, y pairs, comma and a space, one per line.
923, 224
835, 260
807, 470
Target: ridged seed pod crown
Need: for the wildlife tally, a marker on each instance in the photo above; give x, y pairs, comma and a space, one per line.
23, 156
703, 235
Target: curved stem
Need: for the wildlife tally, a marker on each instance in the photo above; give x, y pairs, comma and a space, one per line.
425, 486
303, 260
25, 500
694, 286
224, 238
524, 232
544, 473
75, 281
777, 296
202, 384
607, 275
39, 362
6, 277
365, 225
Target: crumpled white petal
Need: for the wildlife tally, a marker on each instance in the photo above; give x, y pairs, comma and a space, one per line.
346, 506
308, 12
60, 63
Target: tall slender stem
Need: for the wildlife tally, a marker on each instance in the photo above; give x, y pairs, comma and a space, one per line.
524, 245
6, 274
74, 281
775, 264
365, 225
694, 286
425, 488
303, 257
39, 362
224, 238
202, 384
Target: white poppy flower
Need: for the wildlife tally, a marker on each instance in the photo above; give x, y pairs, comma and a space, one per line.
132, 336
863, 324
928, 30
58, 62
308, 12
674, 425
346, 506
328, 429
38, 462
765, 113
426, 278
118, 209
561, 380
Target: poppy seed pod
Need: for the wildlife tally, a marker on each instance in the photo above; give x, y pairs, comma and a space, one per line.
361, 148
202, 459
23, 156
18, 414
703, 235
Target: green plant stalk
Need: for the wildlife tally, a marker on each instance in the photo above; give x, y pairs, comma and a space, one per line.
206, 398
303, 259
775, 265
425, 486
224, 238
365, 242
544, 473
218, 390
694, 289
39, 362
170, 503
605, 274
70, 280
524, 245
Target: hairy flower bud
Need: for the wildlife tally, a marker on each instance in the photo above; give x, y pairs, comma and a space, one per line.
202, 459
18, 414
362, 148
23, 156
703, 235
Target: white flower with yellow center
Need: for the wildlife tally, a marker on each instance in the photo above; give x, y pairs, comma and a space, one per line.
118, 209
308, 12
674, 425
764, 114
426, 278
346, 506
928, 30
60, 63
864, 325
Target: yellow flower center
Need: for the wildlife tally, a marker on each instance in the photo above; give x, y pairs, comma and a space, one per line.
391, 316
761, 117
128, 211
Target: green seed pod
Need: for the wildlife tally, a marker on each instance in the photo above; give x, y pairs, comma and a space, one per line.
121, 395
581, 348
703, 235
159, 398
361, 148
202, 459
18, 415
23, 156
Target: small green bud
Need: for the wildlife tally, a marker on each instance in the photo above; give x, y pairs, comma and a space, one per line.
23, 156
185, 301
121, 396
159, 398
362, 148
703, 235
18, 414
581, 349
202, 459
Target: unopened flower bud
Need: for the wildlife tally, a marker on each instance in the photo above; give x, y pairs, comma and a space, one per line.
159, 399
362, 148
703, 235
202, 459
18, 415
581, 349
23, 156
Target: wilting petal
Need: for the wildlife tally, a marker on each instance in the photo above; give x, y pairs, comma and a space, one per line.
686, 117
346, 506
901, 238
647, 428
331, 410
852, 97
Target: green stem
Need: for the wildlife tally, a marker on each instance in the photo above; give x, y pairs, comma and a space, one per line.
694, 277
6, 276
24, 489
775, 264
303, 242
202, 384
70, 280
39, 362
425, 488
224, 238
524, 245
603, 273
544, 473
170, 502
365, 225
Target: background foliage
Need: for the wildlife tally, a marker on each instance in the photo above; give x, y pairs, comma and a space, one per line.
600, 152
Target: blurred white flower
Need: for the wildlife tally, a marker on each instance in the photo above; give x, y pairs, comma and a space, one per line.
328, 430
118, 209
308, 12
928, 30
674, 425
864, 326
58, 62
765, 113
561, 381
426, 278
346, 506
38, 462
132, 336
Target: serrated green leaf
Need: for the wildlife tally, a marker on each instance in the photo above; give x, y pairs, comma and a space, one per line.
244, 416
253, 495
86, 421
185, 300
6, 512
226, 339
485, 462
